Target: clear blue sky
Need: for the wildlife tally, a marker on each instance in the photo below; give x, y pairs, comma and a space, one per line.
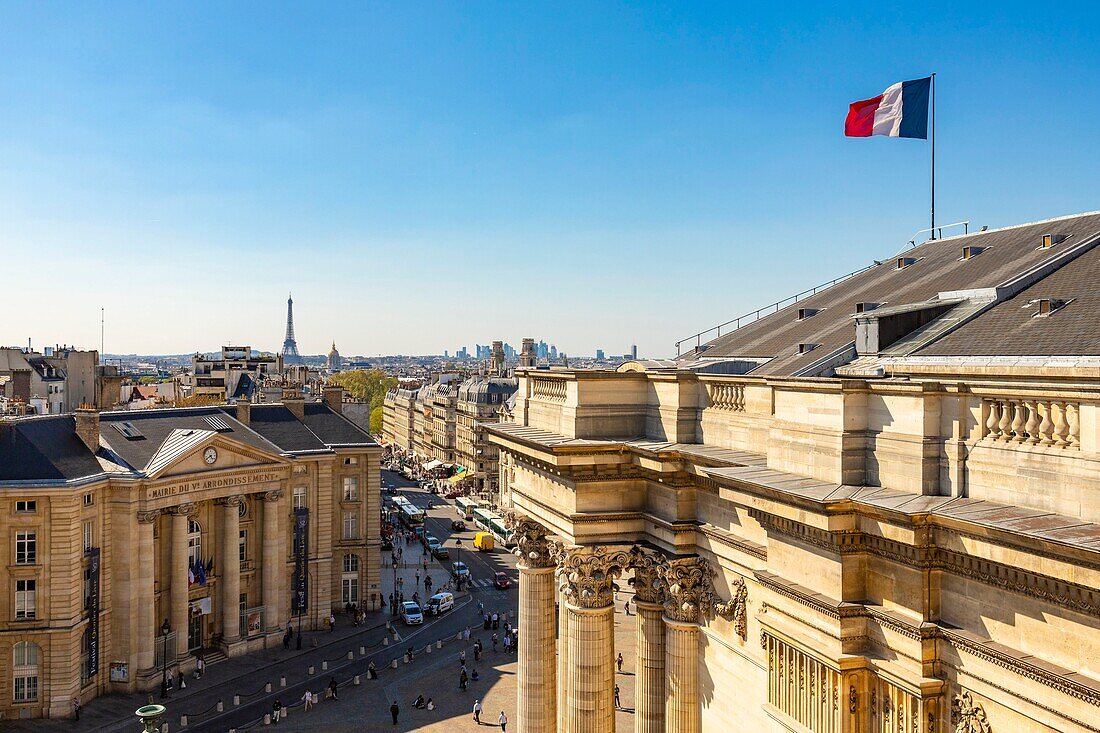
590, 174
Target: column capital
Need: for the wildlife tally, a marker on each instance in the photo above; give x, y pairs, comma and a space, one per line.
148, 517
647, 576
688, 583
235, 500
271, 496
184, 510
587, 575
533, 545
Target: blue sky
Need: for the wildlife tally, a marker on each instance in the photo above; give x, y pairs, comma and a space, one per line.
426, 176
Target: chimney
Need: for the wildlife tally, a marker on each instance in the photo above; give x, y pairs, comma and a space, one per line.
87, 426
293, 401
334, 398
244, 411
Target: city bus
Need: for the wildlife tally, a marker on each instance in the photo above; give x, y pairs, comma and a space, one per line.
496, 526
465, 506
410, 515
482, 516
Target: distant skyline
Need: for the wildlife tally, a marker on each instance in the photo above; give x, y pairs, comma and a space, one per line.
432, 176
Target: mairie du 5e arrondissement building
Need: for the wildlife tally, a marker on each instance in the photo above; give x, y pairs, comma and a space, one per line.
874, 509
135, 538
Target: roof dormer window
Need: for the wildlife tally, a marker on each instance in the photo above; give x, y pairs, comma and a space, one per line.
971, 252
904, 262
864, 307
806, 348
804, 313
1049, 240
1046, 306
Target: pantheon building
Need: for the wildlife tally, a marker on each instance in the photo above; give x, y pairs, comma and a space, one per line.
135, 540
873, 507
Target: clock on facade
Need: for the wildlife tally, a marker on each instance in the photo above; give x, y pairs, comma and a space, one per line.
210, 455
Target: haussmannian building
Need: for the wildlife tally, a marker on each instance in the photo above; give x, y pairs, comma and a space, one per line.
136, 539
876, 509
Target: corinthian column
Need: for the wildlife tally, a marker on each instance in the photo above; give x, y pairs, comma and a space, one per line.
536, 708
649, 680
230, 580
270, 574
587, 579
143, 598
687, 584
177, 573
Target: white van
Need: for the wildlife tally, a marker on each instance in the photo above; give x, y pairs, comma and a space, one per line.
440, 603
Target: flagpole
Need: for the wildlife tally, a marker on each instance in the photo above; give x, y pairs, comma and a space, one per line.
933, 90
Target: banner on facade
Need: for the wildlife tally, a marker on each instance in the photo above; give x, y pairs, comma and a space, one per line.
299, 602
93, 611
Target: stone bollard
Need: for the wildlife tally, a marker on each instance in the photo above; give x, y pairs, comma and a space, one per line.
355, 680
393, 664
221, 706
267, 687
362, 651
324, 665
386, 641
284, 712
351, 655
282, 681
439, 644
311, 670
236, 700
183, 721
458, 636
428, 649
267, 718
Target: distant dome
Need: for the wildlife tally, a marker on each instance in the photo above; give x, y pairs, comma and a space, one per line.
485, 390
334, 353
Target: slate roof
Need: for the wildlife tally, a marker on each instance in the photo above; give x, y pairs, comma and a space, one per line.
937, 268
44, 448
278, 425
1010, 328
333, 428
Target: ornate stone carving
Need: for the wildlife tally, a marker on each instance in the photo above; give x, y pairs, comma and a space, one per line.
533, 546
273, 495
689, 594
968, 716
736, 608
587, 574
148, 517
236, 500
186, 510
853, 699
648, 587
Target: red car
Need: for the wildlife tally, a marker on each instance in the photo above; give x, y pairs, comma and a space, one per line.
502, 581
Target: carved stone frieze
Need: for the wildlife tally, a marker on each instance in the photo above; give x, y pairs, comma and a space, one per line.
235, 500
187, 510
968, 716
648, 587
274, 495
148, 517
587, 574
736, 608
533, 546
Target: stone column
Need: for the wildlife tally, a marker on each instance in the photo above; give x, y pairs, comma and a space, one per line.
587, 578
143, 595
177, 560
536, 707
649, 679
271, 574
683, 709
230, 580
563, 659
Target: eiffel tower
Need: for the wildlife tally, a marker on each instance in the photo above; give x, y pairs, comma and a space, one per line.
290, 346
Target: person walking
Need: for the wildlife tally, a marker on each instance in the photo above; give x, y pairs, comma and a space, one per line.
394, 711
618, 704
333, 688
307, 698
626, 607
503, 720
466, 635
200, 668
76, 708
619, 661
462, 657
286, 639
463, 679
477, 711
372, 670
276, 711
417, 578
494, 642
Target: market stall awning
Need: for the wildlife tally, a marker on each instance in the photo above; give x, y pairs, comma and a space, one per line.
457, 477
432, 465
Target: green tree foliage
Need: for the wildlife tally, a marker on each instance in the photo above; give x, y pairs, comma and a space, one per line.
368, 386
376, 421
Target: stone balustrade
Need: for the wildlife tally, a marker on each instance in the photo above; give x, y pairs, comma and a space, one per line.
1032, 421
551, 390
726, 397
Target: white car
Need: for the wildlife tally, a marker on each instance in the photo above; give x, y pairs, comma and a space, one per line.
412, 614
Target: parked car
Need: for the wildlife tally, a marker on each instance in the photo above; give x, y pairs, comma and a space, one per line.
457, 525
460, 570
428, 539
412, 614
439, 552
502, 581
440, 603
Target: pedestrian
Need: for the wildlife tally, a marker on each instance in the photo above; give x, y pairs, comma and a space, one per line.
463, 679
462, 657
477, 652
626, 606
494, 642
480, 608
619, 661
307, 698
170, 680
333, 688
417, 578
477, 711
276, 711
430, 705
474, 676
331, 621
76, 708
496, 620
372, 670
466, 636
200, 668
618, 704
503, 720
286, 639
394, 710
486, 622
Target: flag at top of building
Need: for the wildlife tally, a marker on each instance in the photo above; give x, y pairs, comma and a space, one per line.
900, 111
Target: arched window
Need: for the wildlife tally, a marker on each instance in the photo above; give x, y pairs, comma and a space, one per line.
350, 580
194, 542
25, 671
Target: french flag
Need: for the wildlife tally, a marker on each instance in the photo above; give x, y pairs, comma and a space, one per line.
900, 111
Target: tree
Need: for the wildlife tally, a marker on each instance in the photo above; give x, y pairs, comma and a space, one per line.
376, 421
200, 400
367, 386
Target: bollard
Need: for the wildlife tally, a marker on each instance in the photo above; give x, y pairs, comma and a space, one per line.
221, 706
282, 681
267, 687
393, 664
439, 644
267, 718
428, 649
458, 637
351, 655
362, 651
183, 682
183, 721
311, 669
355, 680
236, 699
324, 665
386, 641
284, 712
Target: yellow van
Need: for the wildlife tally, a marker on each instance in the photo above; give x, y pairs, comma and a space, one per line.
483, 541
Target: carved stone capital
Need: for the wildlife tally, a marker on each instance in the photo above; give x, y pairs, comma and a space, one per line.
185, 510
533, 545
648, 587
235, 500
687, 586
587, 574
148, 517
271, 496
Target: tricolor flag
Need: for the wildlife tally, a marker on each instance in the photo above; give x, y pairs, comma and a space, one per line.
900, 111
190, 572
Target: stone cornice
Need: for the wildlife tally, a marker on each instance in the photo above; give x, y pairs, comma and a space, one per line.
825, 606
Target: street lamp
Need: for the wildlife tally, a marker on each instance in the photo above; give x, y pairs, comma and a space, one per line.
458, 553
164, 629
393, 606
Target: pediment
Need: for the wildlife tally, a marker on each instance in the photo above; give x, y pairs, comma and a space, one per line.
185, 452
